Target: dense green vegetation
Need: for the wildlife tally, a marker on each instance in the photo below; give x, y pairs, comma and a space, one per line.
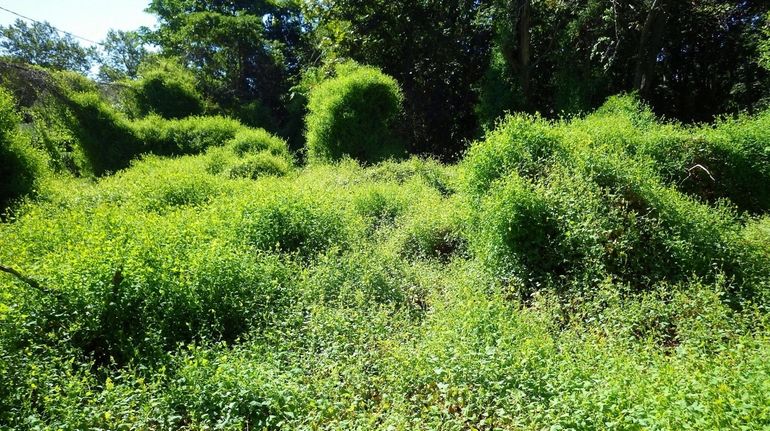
20, 166
167, 89
354, 115
579, 273
276, 219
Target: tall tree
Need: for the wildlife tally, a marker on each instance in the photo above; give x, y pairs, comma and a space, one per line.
705, 65
41, 44
649, 46
123, 52
244, 53
513, 35
764, 45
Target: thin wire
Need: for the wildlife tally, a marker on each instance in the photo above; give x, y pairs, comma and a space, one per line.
47, 23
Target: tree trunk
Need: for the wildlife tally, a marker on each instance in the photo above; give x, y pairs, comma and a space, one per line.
516, 49
524, 47
649, 47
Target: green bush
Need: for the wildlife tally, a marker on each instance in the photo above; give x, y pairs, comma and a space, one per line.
256, 165
258, 140
572, 203
522, 144
185, 136
380, 204
498, 93
167, 89
109, 141
364, 278
429, 171
20, 165
354, 115
106, 139
557, 278
480, 360
52, 132
433, 228
517, 231
629, 107
159, 184
667, 236
291, 221
737, 155
85, 134
139, 282
727, 160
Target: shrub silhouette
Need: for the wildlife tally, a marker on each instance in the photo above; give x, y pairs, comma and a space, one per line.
108, 141
177, 294
726, 160
258, 140
523, 144
353, 115
292, 222
569, 203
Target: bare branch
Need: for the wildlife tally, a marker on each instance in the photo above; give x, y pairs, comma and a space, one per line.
20, 276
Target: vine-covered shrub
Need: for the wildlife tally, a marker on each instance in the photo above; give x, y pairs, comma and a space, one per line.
167, 89
106, 139
518, 234
255, 165
184, 136
521, 143
354, 115
737, 154
568, 203
627, 106
207, 291
20, 165
256, 141
52, 133
292, 221
726, 160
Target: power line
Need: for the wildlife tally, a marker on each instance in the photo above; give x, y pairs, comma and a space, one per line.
49, 24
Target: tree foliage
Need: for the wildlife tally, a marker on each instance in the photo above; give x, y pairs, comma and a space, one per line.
461, 63
123, 52
41, 44
240, 52
689, 60
764, 45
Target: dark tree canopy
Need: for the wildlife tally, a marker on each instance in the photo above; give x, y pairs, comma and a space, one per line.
689, 60
436, 49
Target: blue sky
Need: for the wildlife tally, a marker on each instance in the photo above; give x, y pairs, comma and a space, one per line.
87, 18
